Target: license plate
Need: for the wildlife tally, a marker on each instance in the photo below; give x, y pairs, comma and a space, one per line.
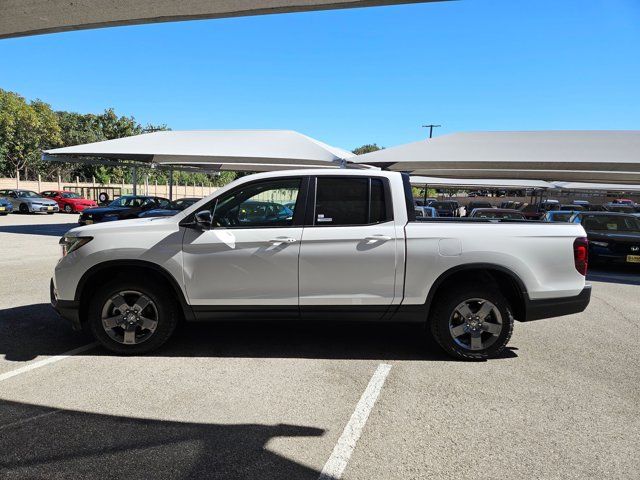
2, 209
633, 258
88, 222
49, 208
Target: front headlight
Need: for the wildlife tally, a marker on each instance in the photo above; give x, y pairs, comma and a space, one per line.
599, 244
71, 244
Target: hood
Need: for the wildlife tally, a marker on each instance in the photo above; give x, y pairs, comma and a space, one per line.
43, 200
104, 210
162, 211
134, 223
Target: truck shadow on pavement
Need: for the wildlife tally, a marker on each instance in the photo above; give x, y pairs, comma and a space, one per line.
34, 330
42, 442
51, 229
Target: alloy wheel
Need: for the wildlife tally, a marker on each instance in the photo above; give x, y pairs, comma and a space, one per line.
475, 324
129, 317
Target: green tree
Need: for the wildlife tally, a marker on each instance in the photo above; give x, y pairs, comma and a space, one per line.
25, 130
368, 148
28, 128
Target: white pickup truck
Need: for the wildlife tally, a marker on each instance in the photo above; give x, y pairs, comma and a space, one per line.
317, 244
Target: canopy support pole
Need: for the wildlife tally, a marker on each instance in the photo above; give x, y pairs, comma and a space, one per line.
171, 182
134, 180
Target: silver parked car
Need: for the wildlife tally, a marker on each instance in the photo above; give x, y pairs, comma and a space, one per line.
26, 201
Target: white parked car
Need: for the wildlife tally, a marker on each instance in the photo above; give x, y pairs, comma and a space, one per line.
350, 249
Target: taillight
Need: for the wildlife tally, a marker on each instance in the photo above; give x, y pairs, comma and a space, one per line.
581, 254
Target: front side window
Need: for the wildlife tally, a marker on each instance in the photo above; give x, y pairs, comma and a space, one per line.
350, 201
257, 205
131, 202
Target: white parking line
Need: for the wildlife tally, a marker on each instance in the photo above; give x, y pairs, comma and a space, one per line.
339, 458
47, 361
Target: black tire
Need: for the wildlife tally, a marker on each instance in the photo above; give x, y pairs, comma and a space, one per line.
68, 208
443, 316
23, 208
163, 300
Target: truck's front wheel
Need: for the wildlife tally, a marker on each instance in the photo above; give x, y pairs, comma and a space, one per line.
472, 322
130, 317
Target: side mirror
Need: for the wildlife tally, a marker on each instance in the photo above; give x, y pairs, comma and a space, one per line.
203, 219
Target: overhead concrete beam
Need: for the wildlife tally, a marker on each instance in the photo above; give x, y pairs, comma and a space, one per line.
33, 17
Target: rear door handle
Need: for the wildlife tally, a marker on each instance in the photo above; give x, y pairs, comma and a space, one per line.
378, 238
280, 240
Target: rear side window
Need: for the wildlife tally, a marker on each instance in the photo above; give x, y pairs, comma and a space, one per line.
351, 201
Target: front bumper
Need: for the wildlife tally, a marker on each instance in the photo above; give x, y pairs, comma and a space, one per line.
45, 208
557, 307
67, 309
6, 209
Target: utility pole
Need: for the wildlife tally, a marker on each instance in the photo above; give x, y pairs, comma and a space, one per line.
431, 127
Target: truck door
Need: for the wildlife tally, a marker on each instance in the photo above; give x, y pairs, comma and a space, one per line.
348, 254
249, 257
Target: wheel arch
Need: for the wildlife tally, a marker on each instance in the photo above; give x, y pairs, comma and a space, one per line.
99, 273
509, 283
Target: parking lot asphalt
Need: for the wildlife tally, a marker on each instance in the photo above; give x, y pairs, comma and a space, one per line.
256, 400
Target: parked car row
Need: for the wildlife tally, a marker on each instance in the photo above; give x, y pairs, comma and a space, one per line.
548, 210
52, 201
134, 206
26, 201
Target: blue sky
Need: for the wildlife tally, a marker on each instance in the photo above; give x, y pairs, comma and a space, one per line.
350, 77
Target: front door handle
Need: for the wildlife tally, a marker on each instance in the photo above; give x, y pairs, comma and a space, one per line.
378, 238
279, 240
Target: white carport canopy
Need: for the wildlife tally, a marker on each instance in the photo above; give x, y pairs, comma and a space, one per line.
596, 187
587, 156
481, 183
240, 150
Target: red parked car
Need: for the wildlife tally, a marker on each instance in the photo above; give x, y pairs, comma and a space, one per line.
69, 202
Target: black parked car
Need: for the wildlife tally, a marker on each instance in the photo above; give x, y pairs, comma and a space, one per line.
171, 209
122, 208
613, 237
446, 209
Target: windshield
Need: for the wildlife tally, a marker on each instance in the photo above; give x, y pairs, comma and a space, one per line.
70, 195
129, 202
611, 223
27, 194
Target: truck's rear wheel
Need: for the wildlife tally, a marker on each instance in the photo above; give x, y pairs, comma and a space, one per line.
472, 322
130, 317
